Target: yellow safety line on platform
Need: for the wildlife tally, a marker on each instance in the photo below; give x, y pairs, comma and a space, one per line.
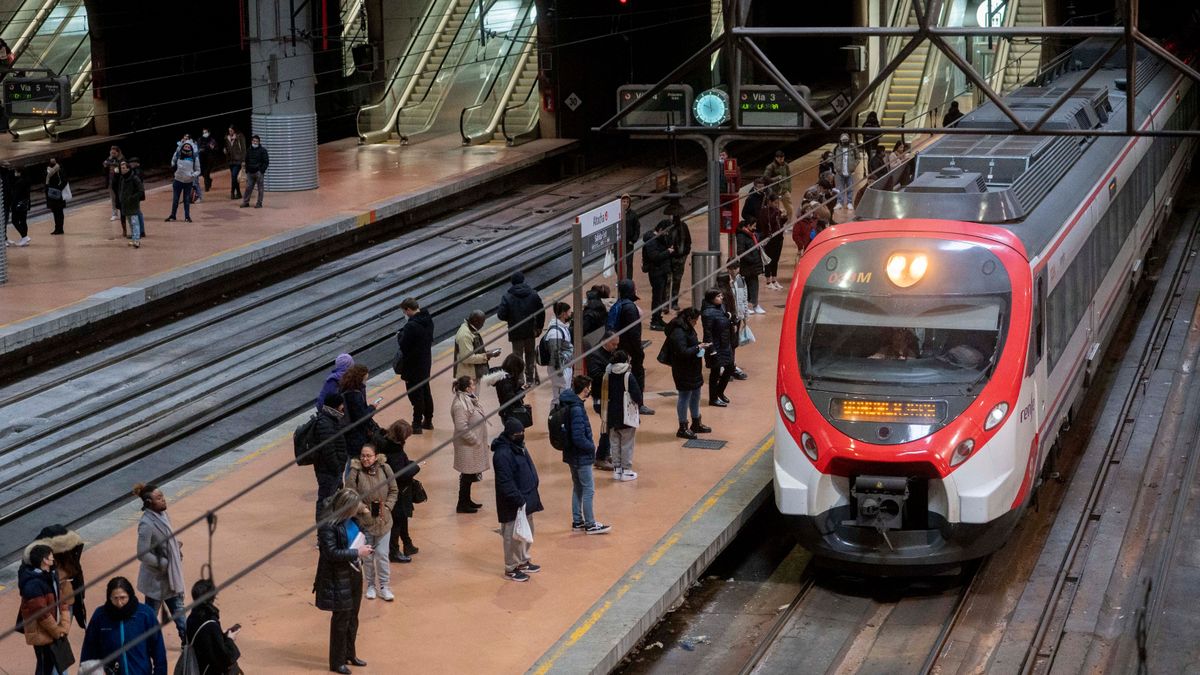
675, 536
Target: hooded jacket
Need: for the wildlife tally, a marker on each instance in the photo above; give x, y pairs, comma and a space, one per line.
67, 546
508, 388
656, 258
751, 253
331, 457
582, 450
516, 479
718, 330
357, 431
595, 317
615, 377
416, 344
629, 315
686, 368
519, 303
340, 366
40, 590
110, 629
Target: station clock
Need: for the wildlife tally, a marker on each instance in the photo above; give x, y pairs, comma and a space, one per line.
711, 108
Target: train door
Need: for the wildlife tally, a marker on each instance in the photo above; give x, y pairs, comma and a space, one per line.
1035, 374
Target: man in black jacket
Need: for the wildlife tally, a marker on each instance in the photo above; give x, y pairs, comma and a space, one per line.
754, 200
656, 262
520, 302
416, 353
597, 361
630, 340
330, 461
681, 241
633, 233
257, 161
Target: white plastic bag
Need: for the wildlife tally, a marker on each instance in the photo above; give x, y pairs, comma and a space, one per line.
632, 412
610, 264
522, 531
745, 336
66, 193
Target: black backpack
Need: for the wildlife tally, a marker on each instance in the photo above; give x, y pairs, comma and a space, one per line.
548, 353
303, 441
559, 418
667, 353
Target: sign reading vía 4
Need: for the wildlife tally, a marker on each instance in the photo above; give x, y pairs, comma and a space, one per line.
40, 97
598, 228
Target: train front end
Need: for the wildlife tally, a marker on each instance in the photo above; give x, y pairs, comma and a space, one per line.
902, 438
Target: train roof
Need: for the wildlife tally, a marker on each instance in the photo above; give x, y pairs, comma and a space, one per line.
1004, 179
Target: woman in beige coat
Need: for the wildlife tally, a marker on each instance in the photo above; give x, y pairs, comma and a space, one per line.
471, 447
371, 477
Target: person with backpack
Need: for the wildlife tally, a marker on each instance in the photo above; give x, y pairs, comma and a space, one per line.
621, 398
329, 460
625, 319
516, 488
215, 649
470, 441
718, 332
684, 352
579, 455
521, 307
555, 350
117, 623
656, 263
416, 357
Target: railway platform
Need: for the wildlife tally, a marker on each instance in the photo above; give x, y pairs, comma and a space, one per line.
595, 596
61, 284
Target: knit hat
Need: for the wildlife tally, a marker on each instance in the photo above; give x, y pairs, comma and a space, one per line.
343, 361
512, 427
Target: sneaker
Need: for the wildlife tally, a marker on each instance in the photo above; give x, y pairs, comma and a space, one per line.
370, 592
739, 374
530, 568
427, 425
628, 475
516, 575
577, 527
645, 410
386, 594
724, 398
187, 219
597, 528
112, 218
23, 241
617, 473
8, 242
717, 403
759, 310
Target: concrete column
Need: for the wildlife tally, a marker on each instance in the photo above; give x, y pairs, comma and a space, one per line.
281, 74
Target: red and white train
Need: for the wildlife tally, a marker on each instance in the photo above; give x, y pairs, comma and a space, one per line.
933, 348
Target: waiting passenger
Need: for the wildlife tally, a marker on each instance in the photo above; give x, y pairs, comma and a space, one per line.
331, 386
339, 581
621, 400
901, 345
509, 382
45, 613
359, 429
330, 461
372, 478
216, 650
718, 331
561, 349
405, 470
115, 624
470, 441
685, 353
160, 576
470, 358
516, 488
580, 456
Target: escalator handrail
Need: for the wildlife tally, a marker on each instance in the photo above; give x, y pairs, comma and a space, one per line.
34, 26
411, 84
442, 65
504, 116
522, 58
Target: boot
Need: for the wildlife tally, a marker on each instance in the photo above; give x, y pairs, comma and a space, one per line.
700, 428
684, 432
409, 549
465, 505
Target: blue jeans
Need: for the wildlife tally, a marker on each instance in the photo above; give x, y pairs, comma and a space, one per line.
582, 490
175, 605
137, 225
688, 399
180, 188
843, 184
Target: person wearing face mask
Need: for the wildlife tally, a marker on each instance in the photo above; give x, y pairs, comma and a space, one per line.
132, 194
516, 487
160, 577
187, 168
235, 154
56, 189
117, 623
257, 161
45, 614
210, 154
558, 342
750, 253
845, 161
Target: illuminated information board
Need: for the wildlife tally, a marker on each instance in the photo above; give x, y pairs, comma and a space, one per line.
43, 98
909, 412
768, 106
670, 107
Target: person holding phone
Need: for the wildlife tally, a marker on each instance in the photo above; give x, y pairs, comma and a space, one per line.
339, 581
216, 649
687, 358
371, 477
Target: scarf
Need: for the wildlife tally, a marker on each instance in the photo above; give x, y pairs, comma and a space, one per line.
122, 613
171, 546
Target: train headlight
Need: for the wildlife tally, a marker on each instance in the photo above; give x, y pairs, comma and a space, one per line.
789, 410
808, 445
996, 416
962, 452
906, 269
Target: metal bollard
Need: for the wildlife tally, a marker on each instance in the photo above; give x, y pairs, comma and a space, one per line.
705, 265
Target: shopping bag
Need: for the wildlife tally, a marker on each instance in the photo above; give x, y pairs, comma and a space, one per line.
633, 412
521, 530
610, 264
66, 193
745, 336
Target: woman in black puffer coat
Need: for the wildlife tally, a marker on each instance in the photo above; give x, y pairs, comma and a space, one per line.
752, 262
391, 445
339, 581
685, 350
718, 332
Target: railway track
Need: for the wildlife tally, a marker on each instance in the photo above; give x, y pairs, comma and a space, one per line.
75, 436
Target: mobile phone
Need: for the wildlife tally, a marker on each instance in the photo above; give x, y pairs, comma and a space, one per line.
234, 628
377, 401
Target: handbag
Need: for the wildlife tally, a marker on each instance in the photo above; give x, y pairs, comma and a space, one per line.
419, 496
54, 193
60, 651
523, 414
66, 193
633, 412
745, 336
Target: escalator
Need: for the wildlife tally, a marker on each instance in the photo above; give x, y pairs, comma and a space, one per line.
1022, 56
53, 34
510, 71
900, 95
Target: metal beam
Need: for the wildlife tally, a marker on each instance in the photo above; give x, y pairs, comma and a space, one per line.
757, 54
944, 31
878, 80
1167, 56
776, 133
974, 77
671, 78
1058, 102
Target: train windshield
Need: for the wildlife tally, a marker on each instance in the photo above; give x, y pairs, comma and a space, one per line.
910, 340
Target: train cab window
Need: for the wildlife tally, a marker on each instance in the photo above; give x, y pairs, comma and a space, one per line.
901, 340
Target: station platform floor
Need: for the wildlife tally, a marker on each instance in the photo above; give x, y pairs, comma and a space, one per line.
454, 611
85, 272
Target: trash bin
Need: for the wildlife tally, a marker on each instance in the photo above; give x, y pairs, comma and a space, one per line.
705, 265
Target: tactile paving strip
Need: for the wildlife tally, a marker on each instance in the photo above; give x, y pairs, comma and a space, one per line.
705, 444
